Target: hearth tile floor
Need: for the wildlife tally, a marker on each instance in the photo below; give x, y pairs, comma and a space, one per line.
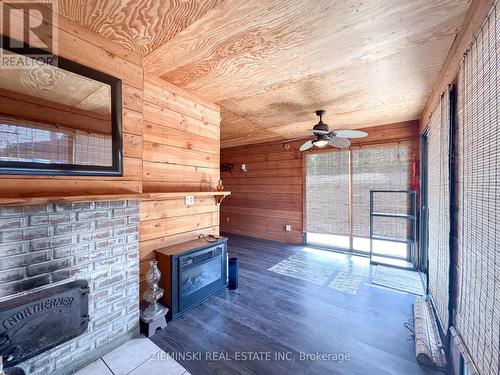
136, 357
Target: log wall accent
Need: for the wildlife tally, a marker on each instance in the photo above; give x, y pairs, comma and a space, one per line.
271, 194
180, 153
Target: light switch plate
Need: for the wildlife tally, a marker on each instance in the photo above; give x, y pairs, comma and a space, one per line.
189, 200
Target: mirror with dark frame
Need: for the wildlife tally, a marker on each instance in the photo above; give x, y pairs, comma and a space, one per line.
58, 120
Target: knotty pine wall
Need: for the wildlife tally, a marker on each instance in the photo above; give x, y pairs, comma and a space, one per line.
271, 194
180, 153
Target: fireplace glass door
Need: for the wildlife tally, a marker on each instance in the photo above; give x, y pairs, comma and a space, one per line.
198, 277
200, 274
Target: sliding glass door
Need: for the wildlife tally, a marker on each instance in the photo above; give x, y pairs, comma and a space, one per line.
338, 184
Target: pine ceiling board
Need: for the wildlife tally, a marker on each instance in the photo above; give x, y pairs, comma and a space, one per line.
273, 62
139, 25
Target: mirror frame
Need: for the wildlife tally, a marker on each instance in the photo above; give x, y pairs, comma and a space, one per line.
59, 169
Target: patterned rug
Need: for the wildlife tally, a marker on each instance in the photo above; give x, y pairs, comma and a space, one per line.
395, 278
336, 271
346, 282
302, 267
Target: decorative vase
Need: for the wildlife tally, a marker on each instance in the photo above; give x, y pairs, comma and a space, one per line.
153, 294
220, 187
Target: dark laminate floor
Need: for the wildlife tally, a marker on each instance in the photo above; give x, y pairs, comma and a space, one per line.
270, 312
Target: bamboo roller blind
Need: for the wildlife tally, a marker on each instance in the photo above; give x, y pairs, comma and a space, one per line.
386, 166
381, 167
439, 207
478, 198
327, 193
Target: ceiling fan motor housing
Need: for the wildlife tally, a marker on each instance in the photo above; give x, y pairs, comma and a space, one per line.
320, 127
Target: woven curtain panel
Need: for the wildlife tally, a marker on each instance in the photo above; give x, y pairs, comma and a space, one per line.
381, 167
439, 207
327, 193
478, 198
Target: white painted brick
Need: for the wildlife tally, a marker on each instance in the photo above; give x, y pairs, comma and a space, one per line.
96, 241
12, 222
133, 203
35, 209
38, 220
37, 232
117, 204
13, 249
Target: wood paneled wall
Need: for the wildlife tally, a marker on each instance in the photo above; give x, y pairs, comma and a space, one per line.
88, 48
268, 196
180, 153
271, 195
181, 139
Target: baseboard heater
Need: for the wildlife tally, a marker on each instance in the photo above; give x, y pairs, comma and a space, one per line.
428, 346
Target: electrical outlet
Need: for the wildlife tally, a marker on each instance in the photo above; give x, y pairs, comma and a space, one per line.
189, 200
288, 228
227, 219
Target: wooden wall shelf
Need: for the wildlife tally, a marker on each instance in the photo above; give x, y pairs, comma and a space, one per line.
15, 201
218, 195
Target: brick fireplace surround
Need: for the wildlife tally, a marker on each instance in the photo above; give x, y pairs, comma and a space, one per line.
42, 246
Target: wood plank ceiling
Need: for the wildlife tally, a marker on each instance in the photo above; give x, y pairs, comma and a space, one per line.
271, 63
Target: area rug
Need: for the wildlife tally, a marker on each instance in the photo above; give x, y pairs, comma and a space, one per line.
395, 278
346, 282
299, 266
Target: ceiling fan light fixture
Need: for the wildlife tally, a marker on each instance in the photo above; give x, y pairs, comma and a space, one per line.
321, 141
324, 137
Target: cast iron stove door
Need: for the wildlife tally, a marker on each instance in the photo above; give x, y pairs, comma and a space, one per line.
39, 321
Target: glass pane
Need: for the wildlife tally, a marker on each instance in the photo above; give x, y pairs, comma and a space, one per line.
328, 240
199, 276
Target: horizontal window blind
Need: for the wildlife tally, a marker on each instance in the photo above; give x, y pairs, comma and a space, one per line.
327, 193
478, 198
439, 208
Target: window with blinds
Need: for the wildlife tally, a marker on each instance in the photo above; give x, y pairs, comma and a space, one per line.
327, 193
439, 207
338, 185
477, 317
381, 167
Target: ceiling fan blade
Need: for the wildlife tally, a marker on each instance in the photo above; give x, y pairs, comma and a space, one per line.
339, 142
350, 133
306, 146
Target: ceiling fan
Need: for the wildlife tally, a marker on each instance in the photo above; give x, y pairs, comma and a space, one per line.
324, 137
